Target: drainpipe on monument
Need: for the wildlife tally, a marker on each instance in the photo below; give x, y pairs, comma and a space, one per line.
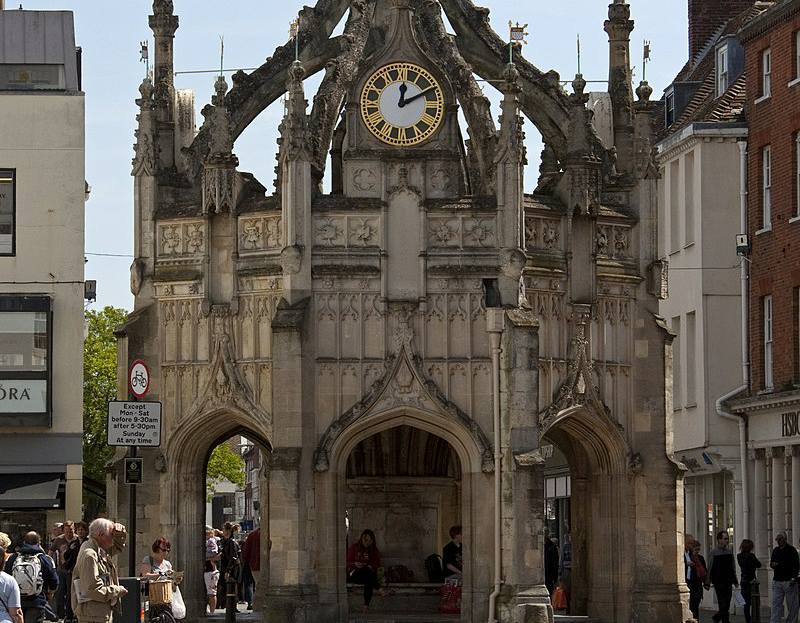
744, 276
495, 320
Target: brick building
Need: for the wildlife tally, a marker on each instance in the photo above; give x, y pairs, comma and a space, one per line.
771, 406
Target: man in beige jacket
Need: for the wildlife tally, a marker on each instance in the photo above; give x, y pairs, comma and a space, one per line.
95, 589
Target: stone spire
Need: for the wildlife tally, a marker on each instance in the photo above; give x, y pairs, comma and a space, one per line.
295, 188
164, 23
220, 182
619, 26
144, 160
509, 162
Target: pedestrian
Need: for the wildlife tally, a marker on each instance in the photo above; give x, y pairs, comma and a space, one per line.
211, 573
251, 559
785, 565
5, 543
58, 548
696, 578
229, 558
565, 569
69, 558
748, 563
723, 576
550, 564
363, 562
35, 573
95, 589
156, 567
452, 559
10, 605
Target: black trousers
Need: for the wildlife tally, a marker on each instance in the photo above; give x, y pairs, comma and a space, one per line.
367, 577
747, 595
695, 597
724, 593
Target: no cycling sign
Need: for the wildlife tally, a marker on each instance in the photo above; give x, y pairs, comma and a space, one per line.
135, 424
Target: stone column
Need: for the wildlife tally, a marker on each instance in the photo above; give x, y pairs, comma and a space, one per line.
778, 491
760, 502
795, 494
739, 529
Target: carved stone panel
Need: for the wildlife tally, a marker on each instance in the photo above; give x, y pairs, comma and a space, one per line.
363, 179
460, 232
180, 239
348, 231
441, 181
543, 234
260, 233
613, 241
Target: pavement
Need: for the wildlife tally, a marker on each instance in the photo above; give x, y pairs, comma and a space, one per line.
736, 616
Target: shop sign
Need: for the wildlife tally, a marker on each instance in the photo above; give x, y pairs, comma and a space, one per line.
134, 424
790, 424
23, 396
698, 462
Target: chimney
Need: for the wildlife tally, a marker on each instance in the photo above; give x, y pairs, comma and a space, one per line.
706, 16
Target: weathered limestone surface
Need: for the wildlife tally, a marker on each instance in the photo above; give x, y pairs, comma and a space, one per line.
346, 333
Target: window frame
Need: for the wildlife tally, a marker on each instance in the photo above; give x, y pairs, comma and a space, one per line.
768, 326
797, 55
722, 70
669, 107
766, 73
28, 304
766, 187
797, 174
13, 173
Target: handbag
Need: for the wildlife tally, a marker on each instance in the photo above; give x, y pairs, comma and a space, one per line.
560, 599
178, 606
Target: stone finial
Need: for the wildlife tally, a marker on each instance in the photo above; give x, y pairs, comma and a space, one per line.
217, 120
144, 160
510, 145
220, 89
644, 91
578, 85
163, 21
146, 92
294, 140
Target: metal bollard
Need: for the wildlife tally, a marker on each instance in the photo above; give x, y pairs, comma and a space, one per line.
231, 599
755, 602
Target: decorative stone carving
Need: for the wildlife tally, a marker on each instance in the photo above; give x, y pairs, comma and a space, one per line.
347, 231
542, 234
364, 180
461, 231
178, 239
260, 233
612, 241
137, 276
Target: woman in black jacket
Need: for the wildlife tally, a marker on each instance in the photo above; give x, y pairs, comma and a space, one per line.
723, 577
748, 563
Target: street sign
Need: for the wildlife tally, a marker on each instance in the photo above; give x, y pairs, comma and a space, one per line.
135, 424
139, 378
133, 471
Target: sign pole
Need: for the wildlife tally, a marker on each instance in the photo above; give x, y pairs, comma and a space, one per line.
132, 452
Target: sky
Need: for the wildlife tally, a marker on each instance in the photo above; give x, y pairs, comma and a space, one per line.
109, 34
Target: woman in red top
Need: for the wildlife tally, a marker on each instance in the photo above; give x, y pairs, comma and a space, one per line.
363, 560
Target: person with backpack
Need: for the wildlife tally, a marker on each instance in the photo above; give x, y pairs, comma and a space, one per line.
35, 573
10, 608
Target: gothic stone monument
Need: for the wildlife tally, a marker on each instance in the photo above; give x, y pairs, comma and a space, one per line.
391, 343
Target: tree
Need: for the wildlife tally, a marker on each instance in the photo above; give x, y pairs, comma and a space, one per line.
99, 386
224, 464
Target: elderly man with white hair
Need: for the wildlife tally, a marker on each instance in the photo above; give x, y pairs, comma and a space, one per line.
95, 586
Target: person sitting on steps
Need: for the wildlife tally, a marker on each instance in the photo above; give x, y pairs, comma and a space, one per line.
363, 561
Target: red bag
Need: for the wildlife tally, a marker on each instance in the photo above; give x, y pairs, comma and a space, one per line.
700, 568
451, 599
560, 599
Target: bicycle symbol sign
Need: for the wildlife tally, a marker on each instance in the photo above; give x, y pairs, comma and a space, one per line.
139, 378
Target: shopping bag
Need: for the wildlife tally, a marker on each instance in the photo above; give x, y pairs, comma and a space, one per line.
451, 599
560, 599
738, 598
178, 607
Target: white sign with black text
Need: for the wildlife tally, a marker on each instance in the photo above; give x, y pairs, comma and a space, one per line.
134, 424
23, 396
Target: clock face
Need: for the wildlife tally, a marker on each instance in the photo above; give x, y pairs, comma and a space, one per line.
402, 104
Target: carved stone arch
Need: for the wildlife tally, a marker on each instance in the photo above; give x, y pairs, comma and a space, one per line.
403, 390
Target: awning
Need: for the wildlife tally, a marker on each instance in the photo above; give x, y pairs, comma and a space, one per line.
30, 490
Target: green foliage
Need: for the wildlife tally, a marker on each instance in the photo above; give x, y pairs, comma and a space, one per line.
99, 386
224, 464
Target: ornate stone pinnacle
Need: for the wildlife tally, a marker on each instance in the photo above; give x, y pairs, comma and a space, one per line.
511, 76
644, 91
145, 90
220, 88
296, 72
578, 84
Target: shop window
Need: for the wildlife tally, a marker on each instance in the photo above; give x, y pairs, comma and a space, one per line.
767, 308
7, 211
25, 360
32, 77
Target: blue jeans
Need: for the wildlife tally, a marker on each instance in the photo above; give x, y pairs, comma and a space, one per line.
780, 591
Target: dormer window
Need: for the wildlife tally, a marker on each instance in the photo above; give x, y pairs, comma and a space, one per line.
669, 108
722, 70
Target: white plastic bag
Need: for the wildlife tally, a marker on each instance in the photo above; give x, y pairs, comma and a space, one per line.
178, 607
738, 599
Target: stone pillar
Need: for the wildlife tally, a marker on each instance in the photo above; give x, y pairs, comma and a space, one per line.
760, 503
739, 529
795, 494
619, 27
164, 23
778, 491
